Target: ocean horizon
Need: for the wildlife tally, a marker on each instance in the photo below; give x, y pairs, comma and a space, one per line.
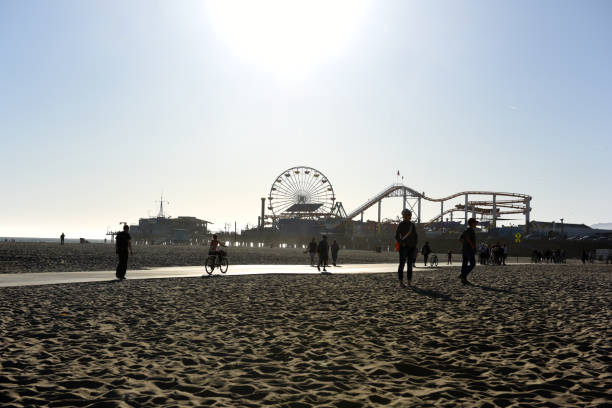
50, 240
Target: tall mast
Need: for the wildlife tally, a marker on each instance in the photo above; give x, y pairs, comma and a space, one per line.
161, 213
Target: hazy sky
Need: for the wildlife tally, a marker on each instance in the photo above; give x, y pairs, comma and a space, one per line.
104, 104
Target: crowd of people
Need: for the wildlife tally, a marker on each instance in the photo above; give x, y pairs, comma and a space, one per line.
492, 254
549, 256
322, 249
588, 256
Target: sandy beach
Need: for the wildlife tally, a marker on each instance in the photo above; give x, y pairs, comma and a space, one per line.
21, 257
521, 336
45, 257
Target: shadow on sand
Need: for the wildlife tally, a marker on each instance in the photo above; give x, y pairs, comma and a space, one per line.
212, 276
434, 294
491, 289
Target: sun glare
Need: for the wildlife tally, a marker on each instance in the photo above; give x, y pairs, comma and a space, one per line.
287, 38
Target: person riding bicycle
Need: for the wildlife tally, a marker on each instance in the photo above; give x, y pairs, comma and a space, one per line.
212, 250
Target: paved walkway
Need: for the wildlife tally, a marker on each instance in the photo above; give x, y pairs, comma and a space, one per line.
49, 278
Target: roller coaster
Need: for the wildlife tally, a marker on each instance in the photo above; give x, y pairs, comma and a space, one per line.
493, 209
306, 193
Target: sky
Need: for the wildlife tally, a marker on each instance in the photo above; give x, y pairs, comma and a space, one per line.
104, 105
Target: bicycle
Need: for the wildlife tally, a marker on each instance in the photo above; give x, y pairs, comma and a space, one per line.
214, 261
433, 261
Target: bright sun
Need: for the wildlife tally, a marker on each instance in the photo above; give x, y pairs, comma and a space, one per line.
284, 37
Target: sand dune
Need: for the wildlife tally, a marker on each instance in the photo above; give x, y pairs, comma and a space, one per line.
521, 336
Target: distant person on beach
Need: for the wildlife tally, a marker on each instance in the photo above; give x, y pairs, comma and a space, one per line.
469, 250
214, 244
334, 252
62, 238
312, 250
482, 254
497, 254
548, 255
323, 250
406, 238
449, 261
584, 256
426, 250
123, 245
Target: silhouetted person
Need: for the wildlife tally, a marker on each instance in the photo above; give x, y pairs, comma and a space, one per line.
323, 250
482, 254
123, 244
497, 254
213, 248
426, 250
312, 250
469, 250
449, 261
406, 237
334, 252
62, 238
585, 256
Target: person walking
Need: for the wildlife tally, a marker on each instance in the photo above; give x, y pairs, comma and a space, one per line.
449, 261
407, 238
468, 252
426, 250
62, 238
312, 250
323, 250
334, 252
123, 245
504, 254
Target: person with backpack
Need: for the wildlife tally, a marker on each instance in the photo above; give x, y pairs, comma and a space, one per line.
468, 238
406, 238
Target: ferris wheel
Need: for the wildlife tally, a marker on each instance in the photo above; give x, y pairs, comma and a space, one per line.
301, 192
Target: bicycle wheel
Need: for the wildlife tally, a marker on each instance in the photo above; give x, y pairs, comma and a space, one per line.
223, 265
209, 265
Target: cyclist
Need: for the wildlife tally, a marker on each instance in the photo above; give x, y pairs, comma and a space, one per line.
214, 244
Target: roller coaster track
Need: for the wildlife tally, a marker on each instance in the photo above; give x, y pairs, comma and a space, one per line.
485, 211
398, 190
